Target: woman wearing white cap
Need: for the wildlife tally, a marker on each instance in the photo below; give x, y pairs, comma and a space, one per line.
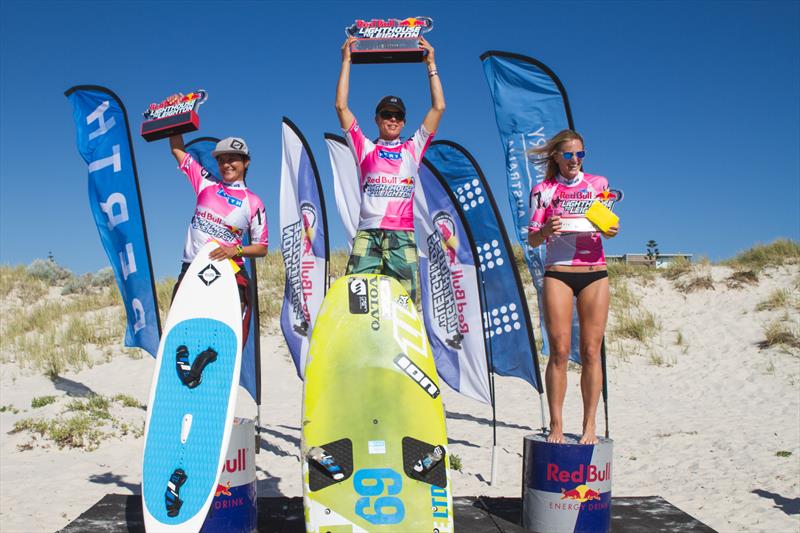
224, 212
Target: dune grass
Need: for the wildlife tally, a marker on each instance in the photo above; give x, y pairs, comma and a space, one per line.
695, 283
639, 325
778, 299
83, 423
677, 268
41, 401
761, 256
55, 320
781, 334
741, 278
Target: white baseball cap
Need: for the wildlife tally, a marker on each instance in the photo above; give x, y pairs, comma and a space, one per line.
231, 145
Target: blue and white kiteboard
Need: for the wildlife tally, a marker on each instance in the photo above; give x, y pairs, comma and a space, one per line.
193, 397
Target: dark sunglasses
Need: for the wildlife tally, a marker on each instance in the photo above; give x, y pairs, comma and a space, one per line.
388, 115
568, 155
229, 158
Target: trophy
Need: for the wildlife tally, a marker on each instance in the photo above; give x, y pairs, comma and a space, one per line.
173, 116
388, 41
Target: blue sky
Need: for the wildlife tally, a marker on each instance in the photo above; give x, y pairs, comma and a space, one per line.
691, 108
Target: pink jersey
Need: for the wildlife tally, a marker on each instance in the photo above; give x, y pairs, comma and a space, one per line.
388, 171
569, 200
224, 211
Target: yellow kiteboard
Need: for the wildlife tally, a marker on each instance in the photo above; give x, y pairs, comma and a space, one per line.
374, 438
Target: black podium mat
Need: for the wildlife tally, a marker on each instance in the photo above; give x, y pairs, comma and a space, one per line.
123, 513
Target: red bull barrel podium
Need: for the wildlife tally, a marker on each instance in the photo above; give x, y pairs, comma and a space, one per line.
566, 488
235, 504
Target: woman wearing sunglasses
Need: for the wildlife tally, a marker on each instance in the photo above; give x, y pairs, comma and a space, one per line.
388, 167
575, 269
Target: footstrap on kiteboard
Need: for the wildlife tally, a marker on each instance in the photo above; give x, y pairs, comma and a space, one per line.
171, 498
424, 461
192, 375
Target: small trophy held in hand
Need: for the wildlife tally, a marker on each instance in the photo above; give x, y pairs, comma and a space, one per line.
388, 41
175, 115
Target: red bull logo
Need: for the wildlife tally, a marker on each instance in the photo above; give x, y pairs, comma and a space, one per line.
238, 464
584, 474
413, 22
175, 104
581, 493
581, 498
223, 490
411, 27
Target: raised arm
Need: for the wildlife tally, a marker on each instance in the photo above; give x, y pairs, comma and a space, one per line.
346, 117
177, 147
434, 115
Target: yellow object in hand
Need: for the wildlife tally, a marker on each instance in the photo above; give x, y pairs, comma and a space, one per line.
601, 216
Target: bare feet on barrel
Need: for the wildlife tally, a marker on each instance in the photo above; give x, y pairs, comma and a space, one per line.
556, 435
589, 435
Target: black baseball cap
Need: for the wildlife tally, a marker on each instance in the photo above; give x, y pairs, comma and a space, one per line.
391, 101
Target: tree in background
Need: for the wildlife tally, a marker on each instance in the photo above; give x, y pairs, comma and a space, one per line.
652, 252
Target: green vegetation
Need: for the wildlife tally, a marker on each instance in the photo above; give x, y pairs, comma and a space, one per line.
128, 401
695, 283
56, 321
783, 453
620, 270
95, 406
455, 462
780, 334
41, 401
639, 326
757, 258
55, 333
778, 299
90, 422
79, 431
740, 278
677, 268
9, 409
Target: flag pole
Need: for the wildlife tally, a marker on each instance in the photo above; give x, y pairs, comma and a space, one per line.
487, 340
605, 381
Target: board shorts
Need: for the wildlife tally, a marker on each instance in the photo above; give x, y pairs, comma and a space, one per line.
389, 252
243, 284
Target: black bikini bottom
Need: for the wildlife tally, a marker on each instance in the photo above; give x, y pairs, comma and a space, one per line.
577, 281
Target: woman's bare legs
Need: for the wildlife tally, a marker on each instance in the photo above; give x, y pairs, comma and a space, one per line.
557, 301
593, 303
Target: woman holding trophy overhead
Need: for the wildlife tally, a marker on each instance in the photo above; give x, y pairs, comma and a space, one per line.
388, 167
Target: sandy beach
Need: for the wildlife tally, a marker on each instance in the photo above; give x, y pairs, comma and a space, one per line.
702, 413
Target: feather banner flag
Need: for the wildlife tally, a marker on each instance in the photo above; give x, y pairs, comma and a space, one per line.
510, 340
531, 106
104, 142
304, 243
451, 301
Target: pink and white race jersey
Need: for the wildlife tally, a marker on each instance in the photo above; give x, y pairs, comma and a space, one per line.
569, 200
388, 171
224, 211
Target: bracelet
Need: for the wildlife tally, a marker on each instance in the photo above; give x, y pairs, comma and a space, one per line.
433, 73
239, 250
